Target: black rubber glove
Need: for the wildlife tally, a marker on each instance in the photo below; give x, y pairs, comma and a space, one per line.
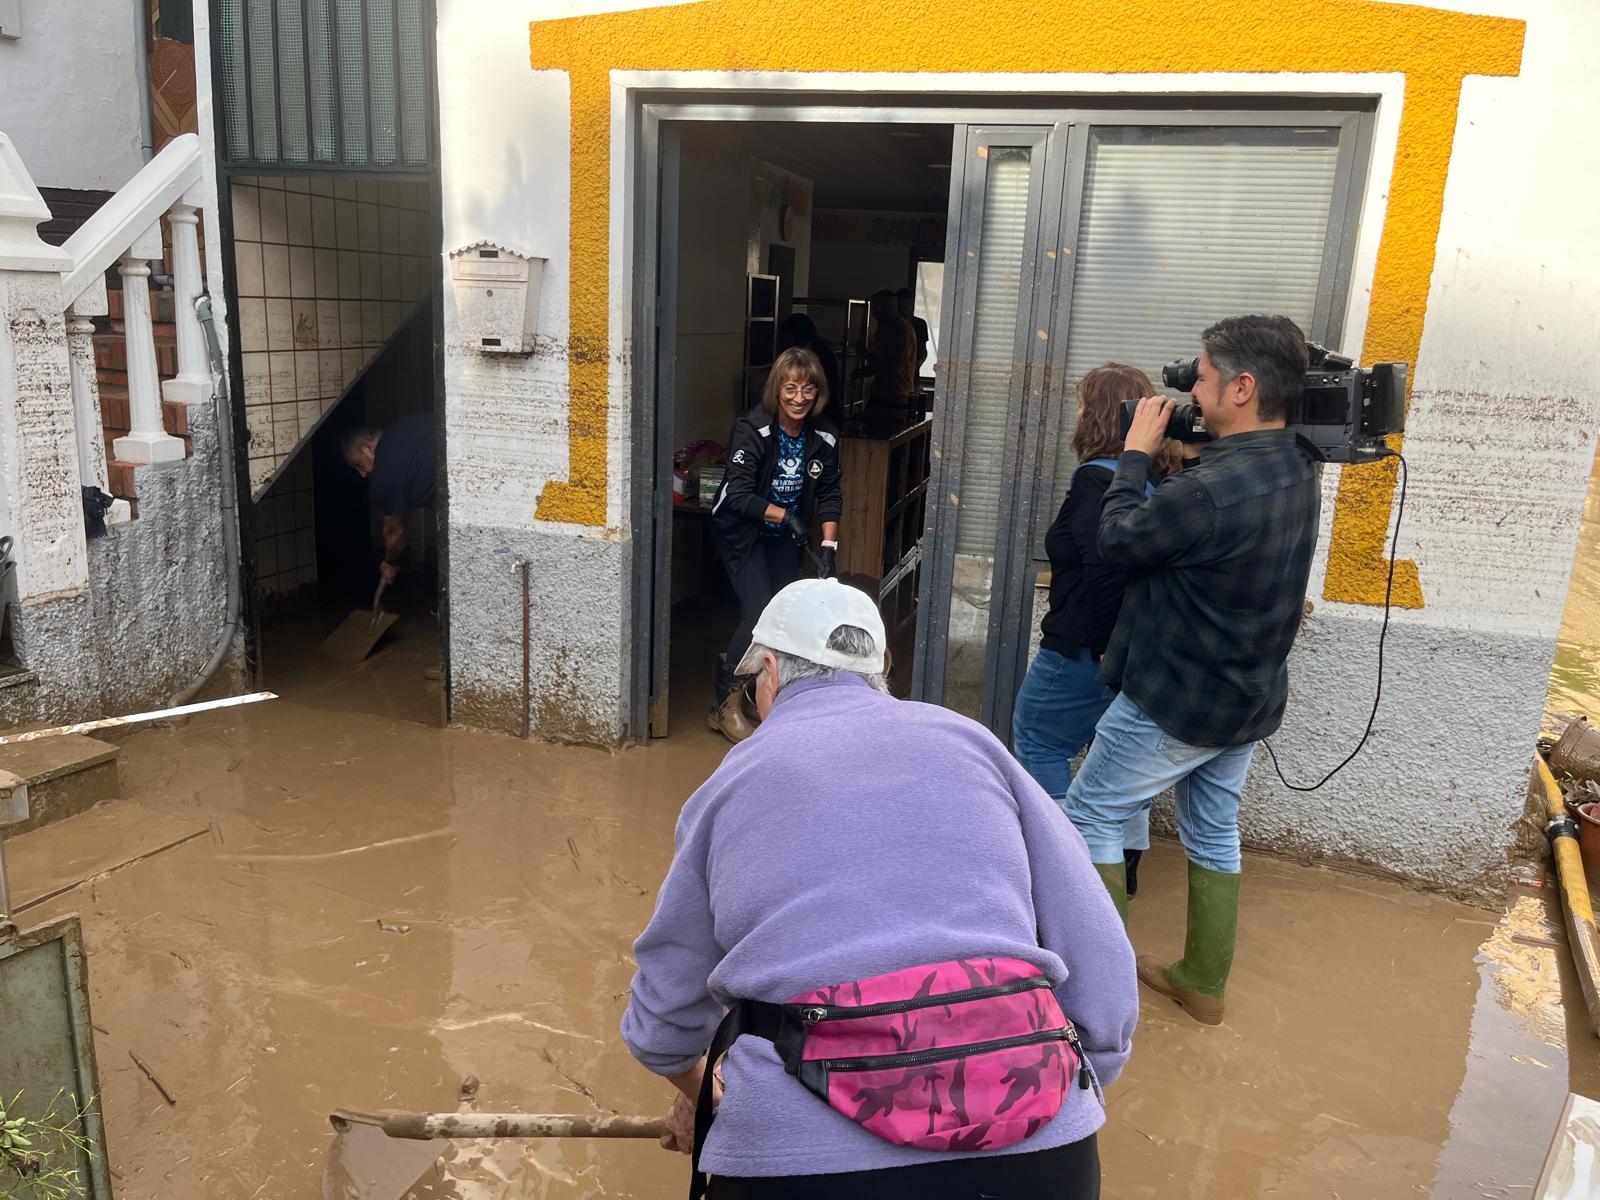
794, 524
827, 559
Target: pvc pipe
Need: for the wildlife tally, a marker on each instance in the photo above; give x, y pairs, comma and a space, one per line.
1581, 934
222, 408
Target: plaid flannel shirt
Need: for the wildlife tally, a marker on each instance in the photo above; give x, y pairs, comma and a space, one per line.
1218, 557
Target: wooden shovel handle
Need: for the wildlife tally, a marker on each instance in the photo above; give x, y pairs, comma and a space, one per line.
425, 1126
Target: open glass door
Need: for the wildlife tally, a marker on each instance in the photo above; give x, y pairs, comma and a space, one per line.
1092, 240
992, 377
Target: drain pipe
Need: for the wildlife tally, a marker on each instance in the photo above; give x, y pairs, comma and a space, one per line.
223, 413
147, 124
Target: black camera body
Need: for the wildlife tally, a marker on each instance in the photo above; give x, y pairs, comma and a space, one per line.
1342, 415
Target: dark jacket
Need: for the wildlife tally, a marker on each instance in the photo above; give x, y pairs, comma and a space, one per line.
1085, 591
741, 504
1219, 558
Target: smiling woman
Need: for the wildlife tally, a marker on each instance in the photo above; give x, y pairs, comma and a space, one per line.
783, 474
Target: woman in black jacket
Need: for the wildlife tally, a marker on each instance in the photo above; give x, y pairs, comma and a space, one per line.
782, 476
1061, 699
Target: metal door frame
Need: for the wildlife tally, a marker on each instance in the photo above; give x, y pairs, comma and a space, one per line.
650, 508
958, 311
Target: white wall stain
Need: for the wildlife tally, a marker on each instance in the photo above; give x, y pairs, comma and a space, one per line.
69, 93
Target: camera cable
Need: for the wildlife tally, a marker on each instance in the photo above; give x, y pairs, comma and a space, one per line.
1383, 633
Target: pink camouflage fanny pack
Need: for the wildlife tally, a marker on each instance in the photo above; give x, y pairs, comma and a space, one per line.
970, 1054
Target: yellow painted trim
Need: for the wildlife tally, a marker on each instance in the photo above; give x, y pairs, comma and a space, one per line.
1434, 49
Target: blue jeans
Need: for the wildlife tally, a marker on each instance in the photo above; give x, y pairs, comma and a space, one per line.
1054, 718
1132, 761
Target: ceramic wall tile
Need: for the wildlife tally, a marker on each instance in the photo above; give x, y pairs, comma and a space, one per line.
327, 274
247, 268
275, 270
299, 219
252, 324
302, 272
257, 377
274, 217
280, 325
246, 213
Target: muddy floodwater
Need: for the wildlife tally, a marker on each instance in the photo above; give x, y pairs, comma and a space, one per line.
1575, 678
368, 909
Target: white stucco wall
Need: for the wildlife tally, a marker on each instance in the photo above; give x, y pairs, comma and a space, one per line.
69, 92
1504, 411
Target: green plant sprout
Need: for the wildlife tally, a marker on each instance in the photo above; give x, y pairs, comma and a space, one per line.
39, 1155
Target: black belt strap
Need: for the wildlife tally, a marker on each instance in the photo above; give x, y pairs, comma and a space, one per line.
755, 1017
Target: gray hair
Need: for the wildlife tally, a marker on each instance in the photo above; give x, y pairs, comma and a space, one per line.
847, 639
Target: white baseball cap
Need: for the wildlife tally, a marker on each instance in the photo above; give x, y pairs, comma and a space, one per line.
801, 618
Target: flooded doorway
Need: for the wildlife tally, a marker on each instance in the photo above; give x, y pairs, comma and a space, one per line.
1069, 240
772, 234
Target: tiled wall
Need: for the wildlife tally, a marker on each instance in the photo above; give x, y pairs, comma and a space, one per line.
327, 270
286, 539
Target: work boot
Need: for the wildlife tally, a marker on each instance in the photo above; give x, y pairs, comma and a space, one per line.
1130, 859
1197, 980
727, 714
1115, 877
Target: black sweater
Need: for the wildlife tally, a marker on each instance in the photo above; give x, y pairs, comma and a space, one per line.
1085, 592
741, 504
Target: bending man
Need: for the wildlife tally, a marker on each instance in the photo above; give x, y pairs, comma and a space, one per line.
398, 465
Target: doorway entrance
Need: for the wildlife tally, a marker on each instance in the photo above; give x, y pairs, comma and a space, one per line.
776, 234
1072, 237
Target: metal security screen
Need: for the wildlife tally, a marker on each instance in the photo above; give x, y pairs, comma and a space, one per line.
341, 84
1181, 225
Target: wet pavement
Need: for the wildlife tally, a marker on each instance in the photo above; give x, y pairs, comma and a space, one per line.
368, 908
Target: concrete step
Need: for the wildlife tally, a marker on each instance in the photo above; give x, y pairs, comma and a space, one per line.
55, 778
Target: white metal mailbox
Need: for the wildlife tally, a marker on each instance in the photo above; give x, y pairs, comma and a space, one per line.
497, 297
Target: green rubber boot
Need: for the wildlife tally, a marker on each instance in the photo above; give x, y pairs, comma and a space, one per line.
1197, 980
1115, 877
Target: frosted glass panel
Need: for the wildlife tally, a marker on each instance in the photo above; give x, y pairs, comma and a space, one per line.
992, 376
1181, 226
325, 82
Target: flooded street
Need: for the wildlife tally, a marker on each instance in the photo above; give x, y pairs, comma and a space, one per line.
1575, 678
367, 909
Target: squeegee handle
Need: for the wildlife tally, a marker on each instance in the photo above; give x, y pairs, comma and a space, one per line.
426, 1126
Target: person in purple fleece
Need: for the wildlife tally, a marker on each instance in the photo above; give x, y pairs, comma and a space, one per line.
855, 835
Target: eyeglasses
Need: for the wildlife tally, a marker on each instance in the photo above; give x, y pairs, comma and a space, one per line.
807, 390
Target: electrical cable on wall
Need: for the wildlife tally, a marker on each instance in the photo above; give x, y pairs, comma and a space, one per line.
1383, 633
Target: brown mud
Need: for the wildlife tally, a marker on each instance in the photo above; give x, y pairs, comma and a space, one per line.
378, 908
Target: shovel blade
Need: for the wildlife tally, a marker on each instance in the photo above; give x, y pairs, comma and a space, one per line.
364, 1163
356, 635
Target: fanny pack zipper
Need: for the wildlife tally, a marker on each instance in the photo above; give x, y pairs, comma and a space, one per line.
811, 1014
915, 1058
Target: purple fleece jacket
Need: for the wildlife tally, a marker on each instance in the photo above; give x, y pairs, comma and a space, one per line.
854, 835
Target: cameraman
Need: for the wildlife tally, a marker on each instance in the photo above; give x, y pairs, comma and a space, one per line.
1218, 557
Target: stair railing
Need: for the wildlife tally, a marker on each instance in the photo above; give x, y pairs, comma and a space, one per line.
126, 231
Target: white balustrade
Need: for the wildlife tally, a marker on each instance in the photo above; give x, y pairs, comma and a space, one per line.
64, 446
147, 440
193, 382
88, 419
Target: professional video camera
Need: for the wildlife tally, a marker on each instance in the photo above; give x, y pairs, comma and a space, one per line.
1342, 413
